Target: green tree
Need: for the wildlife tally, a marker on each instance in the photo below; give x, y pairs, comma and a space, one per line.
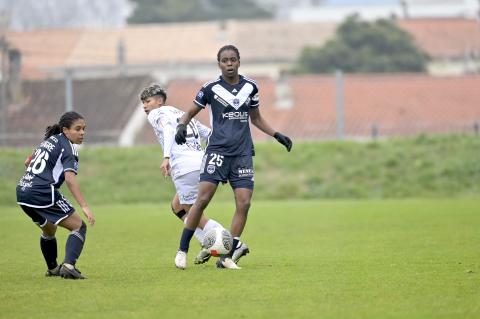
364, 47
162, 11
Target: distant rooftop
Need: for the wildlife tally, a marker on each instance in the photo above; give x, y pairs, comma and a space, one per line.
184, 49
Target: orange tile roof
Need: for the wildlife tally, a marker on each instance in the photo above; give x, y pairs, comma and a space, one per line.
444, 38
44, 49
258, 41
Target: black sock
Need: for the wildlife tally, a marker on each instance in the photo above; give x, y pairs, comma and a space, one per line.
48, 245
185, 240
74, 245
234, 246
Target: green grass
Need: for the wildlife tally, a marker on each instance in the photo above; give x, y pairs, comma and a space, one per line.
434, 167
309, 259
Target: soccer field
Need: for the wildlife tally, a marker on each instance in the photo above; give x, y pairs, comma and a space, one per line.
311, 259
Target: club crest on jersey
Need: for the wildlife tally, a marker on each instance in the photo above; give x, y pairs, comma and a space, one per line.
211, 169
236, 103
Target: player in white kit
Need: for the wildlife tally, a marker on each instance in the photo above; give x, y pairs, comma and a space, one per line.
181, 162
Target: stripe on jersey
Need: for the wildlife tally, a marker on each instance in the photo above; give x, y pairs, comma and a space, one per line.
210, 82
242, 95
58, 168
249, 79
74, 148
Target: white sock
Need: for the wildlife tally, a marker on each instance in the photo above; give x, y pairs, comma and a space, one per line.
199, 233
212, 224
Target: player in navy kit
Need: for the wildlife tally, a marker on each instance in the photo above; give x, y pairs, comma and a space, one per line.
233, 101
53, 162
181, 162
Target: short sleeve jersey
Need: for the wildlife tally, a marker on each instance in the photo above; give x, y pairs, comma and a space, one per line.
46, 172
184, 158
229, 115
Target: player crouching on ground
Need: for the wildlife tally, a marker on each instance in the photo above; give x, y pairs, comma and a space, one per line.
54, 161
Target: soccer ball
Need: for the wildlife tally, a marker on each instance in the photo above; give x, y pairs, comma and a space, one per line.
218, 242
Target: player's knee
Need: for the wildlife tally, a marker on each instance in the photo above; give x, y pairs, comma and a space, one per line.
202, 201
81, 232
244, 205
49, 229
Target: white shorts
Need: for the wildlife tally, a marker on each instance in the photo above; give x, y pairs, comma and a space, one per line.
187, 187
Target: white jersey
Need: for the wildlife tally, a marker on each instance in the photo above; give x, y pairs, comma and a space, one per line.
184, 158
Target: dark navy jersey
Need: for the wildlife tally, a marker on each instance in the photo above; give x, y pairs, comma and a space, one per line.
46, 171
229, 113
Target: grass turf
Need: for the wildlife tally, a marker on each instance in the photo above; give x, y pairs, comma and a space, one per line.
310, 259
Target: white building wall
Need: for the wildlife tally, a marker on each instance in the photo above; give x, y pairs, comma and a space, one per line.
404, 8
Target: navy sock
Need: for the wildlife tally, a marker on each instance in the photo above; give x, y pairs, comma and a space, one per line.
234, 246
185, 240
48, 245
74, 245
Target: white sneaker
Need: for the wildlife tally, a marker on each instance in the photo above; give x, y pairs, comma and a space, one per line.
227, 263
181, 259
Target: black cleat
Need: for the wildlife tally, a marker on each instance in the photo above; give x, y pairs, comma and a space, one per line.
68, 271
53, 272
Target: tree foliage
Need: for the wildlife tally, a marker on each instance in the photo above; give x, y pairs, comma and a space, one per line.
161, 11
363, 47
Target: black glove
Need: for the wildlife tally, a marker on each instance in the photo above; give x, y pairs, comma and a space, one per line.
284, 140
181, 135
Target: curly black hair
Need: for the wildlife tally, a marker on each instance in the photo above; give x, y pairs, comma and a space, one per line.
228, 47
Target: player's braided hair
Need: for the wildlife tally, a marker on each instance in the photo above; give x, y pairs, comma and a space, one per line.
153, 90
66, 120
228, 47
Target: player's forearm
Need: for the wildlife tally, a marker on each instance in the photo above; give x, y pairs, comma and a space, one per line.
263, 126
169, 139
74, 188
189, 114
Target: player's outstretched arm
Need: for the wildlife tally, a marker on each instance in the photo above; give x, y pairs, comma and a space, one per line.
71, 181
181, 132
262, 125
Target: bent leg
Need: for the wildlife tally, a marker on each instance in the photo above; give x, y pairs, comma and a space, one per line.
206, 190
76, 239
48, 245
243, 198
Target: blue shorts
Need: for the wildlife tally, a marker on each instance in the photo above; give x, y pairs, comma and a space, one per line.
54, 214
237, 170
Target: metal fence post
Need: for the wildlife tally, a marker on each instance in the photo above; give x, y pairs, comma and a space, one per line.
339, 105
374, 131
3, 91
68, 90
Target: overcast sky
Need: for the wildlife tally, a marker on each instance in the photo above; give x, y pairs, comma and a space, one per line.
335, 2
